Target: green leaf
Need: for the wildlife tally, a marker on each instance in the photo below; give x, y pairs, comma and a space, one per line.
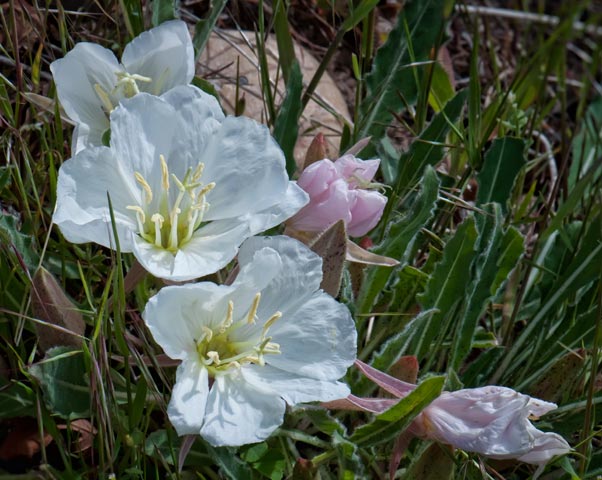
428, 148
392, 83
18, 243
392, 422
203, 28
447, 285
206, 86
16, 400
164, 10
498, 253
587, 144
441, 88
504, 159
286, 127
230, 465
351, 465
132, 14
286, 50
62, 376
399, 239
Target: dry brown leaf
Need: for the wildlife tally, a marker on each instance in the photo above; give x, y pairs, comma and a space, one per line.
63, 323
218, 64
357, 254
23, 440
331, 245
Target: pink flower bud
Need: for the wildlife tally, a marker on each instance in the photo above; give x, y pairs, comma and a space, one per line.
493, 421
340, 191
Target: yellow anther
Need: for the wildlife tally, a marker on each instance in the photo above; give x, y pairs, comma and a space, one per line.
145, 186
140, 217
104, 98
270, 321
164, 173
253, 310
206, 189
198, 172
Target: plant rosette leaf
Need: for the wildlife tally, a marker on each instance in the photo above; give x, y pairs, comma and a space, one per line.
62, 377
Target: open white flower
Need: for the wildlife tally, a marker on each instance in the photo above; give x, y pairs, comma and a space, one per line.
187, 185
271, 338
91, 82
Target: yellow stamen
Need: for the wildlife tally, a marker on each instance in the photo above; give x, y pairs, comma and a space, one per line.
145, 186
164, 173
104, 98
253, 310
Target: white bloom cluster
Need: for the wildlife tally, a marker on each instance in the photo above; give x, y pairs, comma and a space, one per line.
184, 186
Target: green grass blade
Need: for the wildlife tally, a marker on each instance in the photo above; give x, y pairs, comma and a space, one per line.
203, 28
392, 72
286, 127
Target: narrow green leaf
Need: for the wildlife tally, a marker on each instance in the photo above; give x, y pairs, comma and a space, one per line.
392, 422
203, 28
286, 127
587, 144
399, 239
418, 27
164, 10
286, 50
498, 253
447, 284
132, 14
503, 161
428, 148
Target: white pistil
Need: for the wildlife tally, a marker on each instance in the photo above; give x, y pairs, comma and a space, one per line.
158, 220
127, 83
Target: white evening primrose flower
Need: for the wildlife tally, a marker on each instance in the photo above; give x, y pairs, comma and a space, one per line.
91, 82
269, 339
187, 185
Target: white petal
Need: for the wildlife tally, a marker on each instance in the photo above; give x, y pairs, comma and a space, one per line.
177, 314
546, 445
75, 76
301, 273
82, 137
165, 54
247, 167
142, 128
188, 398
82, 211
318, 340
211, 247
294, 199
193, 104
294, 388
238, 413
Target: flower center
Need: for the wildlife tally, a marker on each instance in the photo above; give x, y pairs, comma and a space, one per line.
219, 352
126, 87
168, 221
